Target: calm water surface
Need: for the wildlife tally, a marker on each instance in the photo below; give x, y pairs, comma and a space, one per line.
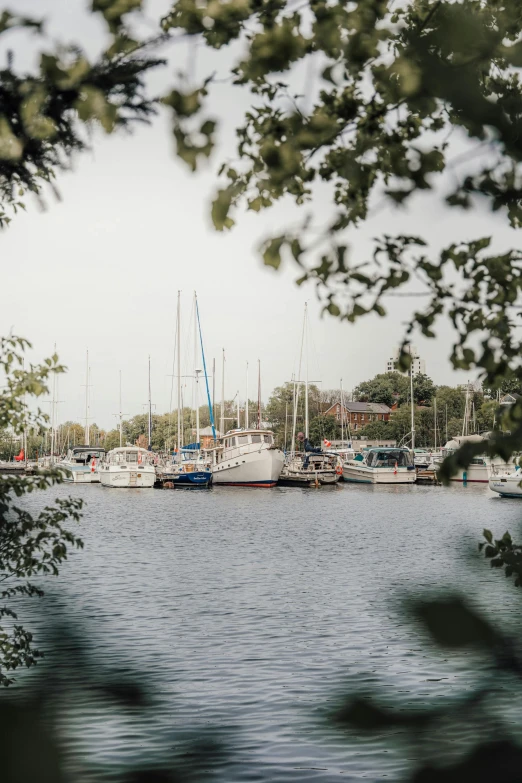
249, 611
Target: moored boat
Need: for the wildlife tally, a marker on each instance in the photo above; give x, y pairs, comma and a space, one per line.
508, 485
322, 469
247, 458
128, 466
481, 467
82, 464
381, 466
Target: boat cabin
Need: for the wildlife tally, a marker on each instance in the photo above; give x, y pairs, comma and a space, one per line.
237, 442
83, 455
129, 456
389, 458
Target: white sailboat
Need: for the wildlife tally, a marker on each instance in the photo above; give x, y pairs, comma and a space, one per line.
507, 484
481, 467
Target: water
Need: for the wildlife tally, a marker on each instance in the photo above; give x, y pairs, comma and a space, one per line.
249, 611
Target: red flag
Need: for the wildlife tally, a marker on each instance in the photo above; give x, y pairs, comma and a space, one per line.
93, 464
21, 456
139, 457
395, 468
327, 443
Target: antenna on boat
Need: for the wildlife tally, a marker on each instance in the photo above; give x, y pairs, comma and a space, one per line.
120, 416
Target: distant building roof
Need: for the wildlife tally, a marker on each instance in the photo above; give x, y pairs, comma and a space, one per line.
361, 407
206, 432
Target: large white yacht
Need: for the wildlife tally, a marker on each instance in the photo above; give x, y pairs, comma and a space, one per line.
247, 458
128, 466
82, 464
381, 465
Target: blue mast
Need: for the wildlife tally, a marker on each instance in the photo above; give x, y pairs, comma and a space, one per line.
206, 376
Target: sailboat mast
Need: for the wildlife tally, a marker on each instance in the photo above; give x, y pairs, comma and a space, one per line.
222, 426
259, 394
149, 447
246, 403
435, 419
121, 418
342, 415
238, 412
196, 371
210, 405
178, 351
412, 402
87, 428
214, 391
305, 335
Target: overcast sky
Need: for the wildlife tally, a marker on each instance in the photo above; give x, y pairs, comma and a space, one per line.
101, 269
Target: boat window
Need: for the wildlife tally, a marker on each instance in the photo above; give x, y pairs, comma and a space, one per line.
231, 442
243, 439
256, 438
132, 456
268, 438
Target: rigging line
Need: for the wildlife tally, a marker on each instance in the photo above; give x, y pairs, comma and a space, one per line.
211, 413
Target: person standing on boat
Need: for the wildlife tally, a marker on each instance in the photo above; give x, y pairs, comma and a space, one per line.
308, 448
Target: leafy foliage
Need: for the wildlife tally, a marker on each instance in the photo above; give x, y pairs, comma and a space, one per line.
397, 79
30, 545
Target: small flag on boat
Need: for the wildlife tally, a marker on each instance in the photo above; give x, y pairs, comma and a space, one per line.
139, 457
395, 468
93, 464
327, 443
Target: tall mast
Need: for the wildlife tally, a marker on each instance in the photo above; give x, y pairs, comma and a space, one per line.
305, 334
297, 383
53, 413
435, 417
342, 415
222, 426
286, 423
246, 403
412, 405
121, 417
149, 446
87, 428
214, 391
196, 371
210, 405
178, 351
238, 412
259, 394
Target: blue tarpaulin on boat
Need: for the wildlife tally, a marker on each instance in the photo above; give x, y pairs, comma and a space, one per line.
191, 447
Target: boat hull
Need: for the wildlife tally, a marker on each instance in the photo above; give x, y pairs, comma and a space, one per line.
507, 486
260, 468
79, 475
308, 479
365, 475
188, 480
118, 477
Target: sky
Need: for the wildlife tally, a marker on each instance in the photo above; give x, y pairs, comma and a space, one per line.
100, 269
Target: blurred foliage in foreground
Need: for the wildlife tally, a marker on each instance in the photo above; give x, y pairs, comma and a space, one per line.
30, 545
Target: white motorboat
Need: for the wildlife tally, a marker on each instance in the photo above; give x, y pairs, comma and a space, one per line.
128, 466
424, 458
481, 467
381, 466
247, 458
82, 464
508, 485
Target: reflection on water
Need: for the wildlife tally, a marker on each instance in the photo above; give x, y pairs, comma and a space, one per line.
248, 610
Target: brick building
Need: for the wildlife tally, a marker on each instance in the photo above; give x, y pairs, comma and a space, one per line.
356, 415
